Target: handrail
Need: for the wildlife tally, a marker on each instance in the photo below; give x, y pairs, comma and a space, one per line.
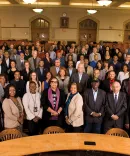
64, 141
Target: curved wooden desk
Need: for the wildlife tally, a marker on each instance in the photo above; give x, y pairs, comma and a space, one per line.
66, 141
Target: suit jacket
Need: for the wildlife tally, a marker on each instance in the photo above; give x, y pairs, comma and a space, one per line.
73, 71
125, 85
25, 75
82, 83
75, 110
13, 58
90, 106
32, 63
119, 109
41, 76
4, 62
3, 69
53, 71
19, 66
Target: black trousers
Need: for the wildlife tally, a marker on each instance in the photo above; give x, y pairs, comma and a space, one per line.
34, 127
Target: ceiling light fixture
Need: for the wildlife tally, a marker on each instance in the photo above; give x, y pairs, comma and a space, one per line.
104, 2
91, 11
38, 10
29, 1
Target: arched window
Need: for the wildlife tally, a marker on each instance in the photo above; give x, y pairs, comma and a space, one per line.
127, 32
40, 29
87, 30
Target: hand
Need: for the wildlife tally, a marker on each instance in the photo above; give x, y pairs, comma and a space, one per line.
95, 114
67, 121
54, 113
35, 119
127, 126
20, 119
115, 117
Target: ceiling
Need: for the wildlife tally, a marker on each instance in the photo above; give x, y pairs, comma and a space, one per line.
118, 4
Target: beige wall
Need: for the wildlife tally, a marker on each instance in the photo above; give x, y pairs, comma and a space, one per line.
15, 23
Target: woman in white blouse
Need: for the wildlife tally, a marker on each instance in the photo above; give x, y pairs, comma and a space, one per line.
34, 77
32, 106
123, 74
80, 61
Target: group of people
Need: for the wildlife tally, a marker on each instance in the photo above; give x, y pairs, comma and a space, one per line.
79, 88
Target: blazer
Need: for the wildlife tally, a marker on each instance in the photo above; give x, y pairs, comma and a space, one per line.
125, 85
3, 69
25, 75
73, 71
119, 110
64, 85
11, 113
90, 106
53, 71
32, 63
19, 65
41, 76
82, 83
75, 110
13, 58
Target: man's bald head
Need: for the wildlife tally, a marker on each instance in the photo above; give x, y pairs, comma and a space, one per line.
116, 87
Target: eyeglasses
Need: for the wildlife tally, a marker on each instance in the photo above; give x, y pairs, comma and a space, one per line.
53, 81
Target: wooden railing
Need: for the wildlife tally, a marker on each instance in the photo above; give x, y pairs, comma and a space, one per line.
66, 141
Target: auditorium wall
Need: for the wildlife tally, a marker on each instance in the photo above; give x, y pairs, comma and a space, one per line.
15, 23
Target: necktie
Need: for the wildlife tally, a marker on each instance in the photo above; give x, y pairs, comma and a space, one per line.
22, 65
115, 99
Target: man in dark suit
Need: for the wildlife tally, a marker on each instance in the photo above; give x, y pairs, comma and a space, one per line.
117, 65
41, 71
19, 84
80, 78
107, 83
70, 69
20, 62
94, 107
6, 60
116, 106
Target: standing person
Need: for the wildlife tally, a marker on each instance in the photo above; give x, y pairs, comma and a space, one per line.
34, 77
55, 69
73, 110
45, 84
20, 62
63, 80
25, 73
33, 109
12, 70
53, 101
47, 61
80, 78
34, 60
13, 109
70, 70
116, 106
94, 107
19, 84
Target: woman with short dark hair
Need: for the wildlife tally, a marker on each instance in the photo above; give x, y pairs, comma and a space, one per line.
13, 109
74, 110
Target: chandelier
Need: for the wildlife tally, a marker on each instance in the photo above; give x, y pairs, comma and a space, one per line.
29, 1
91, 11
104, 2
38, 10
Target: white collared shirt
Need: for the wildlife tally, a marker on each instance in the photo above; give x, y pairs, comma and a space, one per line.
7, 62
116, 94
80, 76
95, 94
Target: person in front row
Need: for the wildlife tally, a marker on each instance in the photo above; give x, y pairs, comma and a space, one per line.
53, 101
94, 107
33, 109
116, 106
13, 109
73, 110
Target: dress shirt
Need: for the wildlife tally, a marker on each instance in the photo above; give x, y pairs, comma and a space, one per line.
95, 94
116, 94
80, 77
41, 70
7, 62
70, 71
57, 70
